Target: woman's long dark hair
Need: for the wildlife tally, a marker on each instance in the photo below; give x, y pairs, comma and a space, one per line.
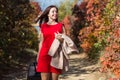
44, 15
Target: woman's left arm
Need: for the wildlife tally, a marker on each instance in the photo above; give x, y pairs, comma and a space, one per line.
63, 30
59, 35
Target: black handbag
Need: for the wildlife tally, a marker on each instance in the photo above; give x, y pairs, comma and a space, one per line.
32, 73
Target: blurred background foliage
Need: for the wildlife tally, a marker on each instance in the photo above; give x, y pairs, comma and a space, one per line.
94, 26
99, 32
65, 8
16, 32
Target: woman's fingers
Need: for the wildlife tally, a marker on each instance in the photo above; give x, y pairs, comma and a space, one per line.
58, 35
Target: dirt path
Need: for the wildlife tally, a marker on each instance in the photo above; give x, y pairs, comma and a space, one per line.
80, 69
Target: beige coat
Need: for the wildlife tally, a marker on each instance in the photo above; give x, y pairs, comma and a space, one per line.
59, 52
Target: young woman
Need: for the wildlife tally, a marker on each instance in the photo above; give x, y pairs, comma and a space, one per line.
49, 25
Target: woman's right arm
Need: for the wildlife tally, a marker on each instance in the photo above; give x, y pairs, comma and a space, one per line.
40, 37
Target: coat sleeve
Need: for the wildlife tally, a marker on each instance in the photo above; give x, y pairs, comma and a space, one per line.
54, 47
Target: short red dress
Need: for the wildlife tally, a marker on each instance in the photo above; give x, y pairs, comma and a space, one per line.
44, 59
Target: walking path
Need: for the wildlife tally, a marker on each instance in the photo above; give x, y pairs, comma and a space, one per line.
81, 68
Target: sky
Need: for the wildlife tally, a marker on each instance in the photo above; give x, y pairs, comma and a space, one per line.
46, 3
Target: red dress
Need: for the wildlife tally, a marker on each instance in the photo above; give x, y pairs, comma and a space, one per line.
44, 59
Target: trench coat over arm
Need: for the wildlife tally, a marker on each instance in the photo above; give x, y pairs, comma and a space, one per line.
59, 52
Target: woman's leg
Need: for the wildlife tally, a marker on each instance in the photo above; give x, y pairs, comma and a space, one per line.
55, 76
45, 76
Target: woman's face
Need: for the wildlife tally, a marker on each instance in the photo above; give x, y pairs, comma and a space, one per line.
53, 13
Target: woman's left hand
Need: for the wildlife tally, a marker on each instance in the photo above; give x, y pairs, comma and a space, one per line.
59, 36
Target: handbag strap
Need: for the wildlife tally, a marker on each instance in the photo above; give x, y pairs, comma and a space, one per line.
35, 63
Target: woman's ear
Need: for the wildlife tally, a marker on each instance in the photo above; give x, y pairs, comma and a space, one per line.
48, 15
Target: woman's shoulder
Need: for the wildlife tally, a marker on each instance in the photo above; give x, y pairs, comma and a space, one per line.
43, 24
61, 24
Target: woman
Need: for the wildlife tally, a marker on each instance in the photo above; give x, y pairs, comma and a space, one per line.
49, 26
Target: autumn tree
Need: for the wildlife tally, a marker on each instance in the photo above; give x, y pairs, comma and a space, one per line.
65, 9
99, 34
16, 32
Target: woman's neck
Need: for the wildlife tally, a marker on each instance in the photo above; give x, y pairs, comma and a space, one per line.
51, 22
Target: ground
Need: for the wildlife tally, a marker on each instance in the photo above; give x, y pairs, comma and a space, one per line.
81, 68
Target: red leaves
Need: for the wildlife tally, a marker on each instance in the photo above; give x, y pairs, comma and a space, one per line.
36, 6
84, 33
117, 33
90, 3
114, 79
90, 10
83, 6
67, 24
86, 46
94, 8
111, 59
98, 27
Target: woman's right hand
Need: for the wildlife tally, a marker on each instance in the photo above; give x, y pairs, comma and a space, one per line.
59, 36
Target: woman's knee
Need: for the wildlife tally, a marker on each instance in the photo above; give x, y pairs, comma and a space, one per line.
45, 76
55, 76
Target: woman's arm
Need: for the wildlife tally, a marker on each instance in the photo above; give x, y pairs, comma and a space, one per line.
40, 37
63, 30
59, 35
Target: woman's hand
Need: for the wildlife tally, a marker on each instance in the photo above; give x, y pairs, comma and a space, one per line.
59, 36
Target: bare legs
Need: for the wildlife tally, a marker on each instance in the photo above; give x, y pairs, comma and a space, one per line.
55, 76
46, 76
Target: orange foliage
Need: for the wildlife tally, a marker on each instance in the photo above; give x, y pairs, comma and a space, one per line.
96, 28
82, 7
112, 53
66, 21
36, 7
67, 24
86, 46
90, 3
